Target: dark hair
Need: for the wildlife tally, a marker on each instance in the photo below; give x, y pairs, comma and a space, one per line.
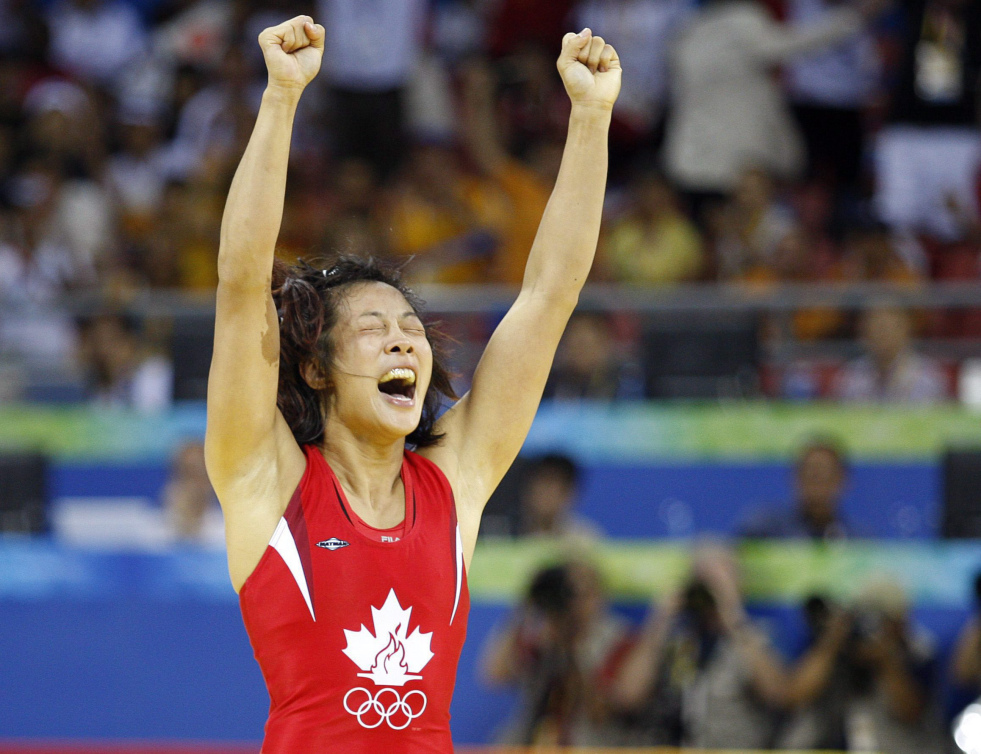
552, 591
307, 300
554, 463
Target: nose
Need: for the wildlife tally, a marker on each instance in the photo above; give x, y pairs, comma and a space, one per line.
399, 345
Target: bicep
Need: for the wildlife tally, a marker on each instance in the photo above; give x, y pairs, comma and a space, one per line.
487, 427
243, 382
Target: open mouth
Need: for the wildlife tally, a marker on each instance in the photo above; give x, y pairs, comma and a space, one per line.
399, 383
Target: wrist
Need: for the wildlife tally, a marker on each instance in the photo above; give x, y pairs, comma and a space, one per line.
282, 94
592, 113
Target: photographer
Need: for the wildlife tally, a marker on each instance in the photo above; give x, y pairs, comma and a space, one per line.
700, 674
817, 687
865, 680
891, 663
556, 648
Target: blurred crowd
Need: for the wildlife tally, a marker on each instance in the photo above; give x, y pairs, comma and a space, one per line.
755, 143
702, 670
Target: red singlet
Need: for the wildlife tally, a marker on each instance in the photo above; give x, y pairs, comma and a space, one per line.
359, 640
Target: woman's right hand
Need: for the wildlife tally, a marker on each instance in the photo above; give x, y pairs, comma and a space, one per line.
293, 51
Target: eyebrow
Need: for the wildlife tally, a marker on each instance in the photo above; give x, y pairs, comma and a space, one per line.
381, 315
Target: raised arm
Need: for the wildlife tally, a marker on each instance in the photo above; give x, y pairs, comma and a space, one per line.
485, 430
251, 455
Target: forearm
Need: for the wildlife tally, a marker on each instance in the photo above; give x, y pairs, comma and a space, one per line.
810, 678
966, 662
779, 43
254, 208
501, 657
767, 675
904, 696
565, 245
642, 665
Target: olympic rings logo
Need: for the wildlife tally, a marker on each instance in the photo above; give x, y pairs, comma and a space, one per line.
372, 712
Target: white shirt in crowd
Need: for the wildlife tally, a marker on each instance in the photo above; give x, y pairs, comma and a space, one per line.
729, 112
371, 45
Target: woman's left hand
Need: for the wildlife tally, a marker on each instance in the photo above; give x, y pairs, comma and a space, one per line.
590, 70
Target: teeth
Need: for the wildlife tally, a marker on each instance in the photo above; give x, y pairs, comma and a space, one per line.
399, 373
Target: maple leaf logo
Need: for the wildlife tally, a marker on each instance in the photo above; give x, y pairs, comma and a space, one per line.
389, 656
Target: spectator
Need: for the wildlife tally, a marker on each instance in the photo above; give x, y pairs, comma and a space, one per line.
727, 109
587, 366
449, 219
190, 220
370, 54
557, 649
820, 480
526, 186
191, 511
458, 29
872, 253
215, 123
121, 374
893, 706
136, 175
830, 91
866, 681
550, 486
700, 655
354, 225
63, 130
643, 30
927, 158
890, 371
95, 40
753, 225
653, 243
817, 686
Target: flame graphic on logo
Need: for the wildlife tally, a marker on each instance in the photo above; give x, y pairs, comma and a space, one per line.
391, 660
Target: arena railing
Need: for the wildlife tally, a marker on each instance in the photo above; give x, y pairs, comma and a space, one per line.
686, 298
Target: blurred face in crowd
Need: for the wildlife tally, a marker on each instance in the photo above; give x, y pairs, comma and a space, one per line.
112, 348
886, 334
547, 496
820, 484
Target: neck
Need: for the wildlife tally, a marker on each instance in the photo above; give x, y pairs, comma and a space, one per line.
818, 519
369, 472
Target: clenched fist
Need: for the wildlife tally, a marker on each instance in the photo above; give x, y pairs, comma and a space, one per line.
293, 51
590, 69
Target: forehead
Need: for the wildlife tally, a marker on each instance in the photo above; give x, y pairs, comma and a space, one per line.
363, 299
